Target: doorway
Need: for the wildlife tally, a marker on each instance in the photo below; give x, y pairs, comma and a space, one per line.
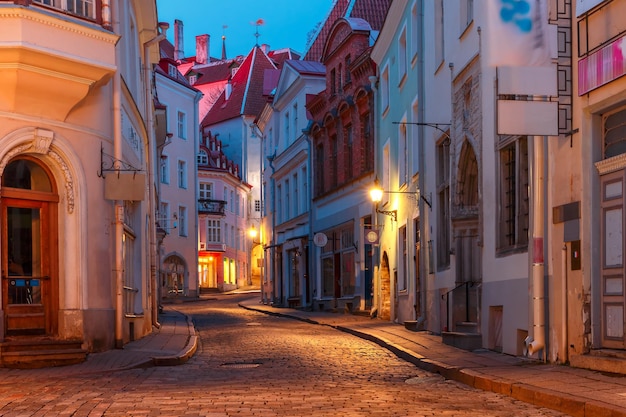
29, 250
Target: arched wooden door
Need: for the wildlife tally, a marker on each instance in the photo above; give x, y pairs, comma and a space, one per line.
29, 250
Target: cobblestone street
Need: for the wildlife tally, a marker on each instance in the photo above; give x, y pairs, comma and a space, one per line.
252, 364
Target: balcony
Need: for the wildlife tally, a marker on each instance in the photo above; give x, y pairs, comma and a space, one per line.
50, 60
206, 206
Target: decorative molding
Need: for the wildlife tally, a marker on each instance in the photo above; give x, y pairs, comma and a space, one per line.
69, 182
613, 164
42, 141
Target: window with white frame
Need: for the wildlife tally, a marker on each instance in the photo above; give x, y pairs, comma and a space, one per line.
296, 198
305, 190
203, 157
415, 140
467, 13
414, 31
172, 71
514, 199
402, 57
294, 113
257, 206
182, 174
404, 256
214, 231
384, 89
287, 201
181, 121
205, 190
439, 32
287, 140
279, 204
164, 215
83, 8
403, 154
165, 170
182, 221
443, 200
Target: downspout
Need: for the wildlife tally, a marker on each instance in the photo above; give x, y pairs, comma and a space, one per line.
119, 204
151, 163
376, 307
422, 273
309, 198
272, 259
564, 316
197, 139
536, 342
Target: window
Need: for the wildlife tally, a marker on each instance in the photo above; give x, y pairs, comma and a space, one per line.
164, 215
287, 138
339, 77
233, 209
443, 200
384, 89
368, 142
415, 141
203, 158
439, 32
205, 190
348, 76
182, 174
214, 231
182, 221
414, 30
333, 76
402, 57
193, 79
296, 199
305, 191
403, 154
333, 162
83, 8
287, 201
403, 265
257, 206
172, 71
237, 207
295, 118
514, 201
386, 172
279, 204
182, 125
467, 13
348, 166
165, 169
319, 170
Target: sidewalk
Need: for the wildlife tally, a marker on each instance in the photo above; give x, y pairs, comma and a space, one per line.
578, 392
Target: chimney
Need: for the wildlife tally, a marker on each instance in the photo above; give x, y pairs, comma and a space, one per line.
265, 48
178, 40
202, 49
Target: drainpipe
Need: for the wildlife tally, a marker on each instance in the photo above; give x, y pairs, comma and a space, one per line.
150, 166
312, 248
376, 302
119, 205
564, 316
422, 273
536, 342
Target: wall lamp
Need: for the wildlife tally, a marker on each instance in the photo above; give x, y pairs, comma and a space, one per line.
376, 194
253, 233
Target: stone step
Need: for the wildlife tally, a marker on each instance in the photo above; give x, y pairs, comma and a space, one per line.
462, 340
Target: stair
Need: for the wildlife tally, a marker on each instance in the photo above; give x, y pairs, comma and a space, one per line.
30, 353
465, 336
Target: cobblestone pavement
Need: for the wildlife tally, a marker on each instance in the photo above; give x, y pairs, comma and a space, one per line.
252, 364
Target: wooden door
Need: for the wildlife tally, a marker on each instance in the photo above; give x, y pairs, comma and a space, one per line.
28, 282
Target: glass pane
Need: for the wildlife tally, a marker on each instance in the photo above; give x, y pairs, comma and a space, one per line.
613, 190
24, 255
614, 320
613, 239
613, 286
26, 175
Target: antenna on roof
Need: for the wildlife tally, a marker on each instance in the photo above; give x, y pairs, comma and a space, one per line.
224, 27
259, 22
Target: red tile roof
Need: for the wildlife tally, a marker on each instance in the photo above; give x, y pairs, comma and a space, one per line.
247, 96
373, 11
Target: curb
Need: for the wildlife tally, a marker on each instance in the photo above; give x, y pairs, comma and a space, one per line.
540, 397
185, 354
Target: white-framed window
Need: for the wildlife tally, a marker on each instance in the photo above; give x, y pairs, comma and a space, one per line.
514, 199
403, 154
467, 13
295, 118
296, 198
287, 138
182, 174
83, 8
214, 231
384, 89
443, 201
279, 204
404, 256
193, 79
439, 32
182, 221
415, 140
172, 71
414, 31
203, 157
164, 215
181, 122
205, 190
305, 190
287, 201
402, 57
165, 170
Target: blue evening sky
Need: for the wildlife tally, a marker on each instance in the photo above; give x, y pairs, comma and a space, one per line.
286, 23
